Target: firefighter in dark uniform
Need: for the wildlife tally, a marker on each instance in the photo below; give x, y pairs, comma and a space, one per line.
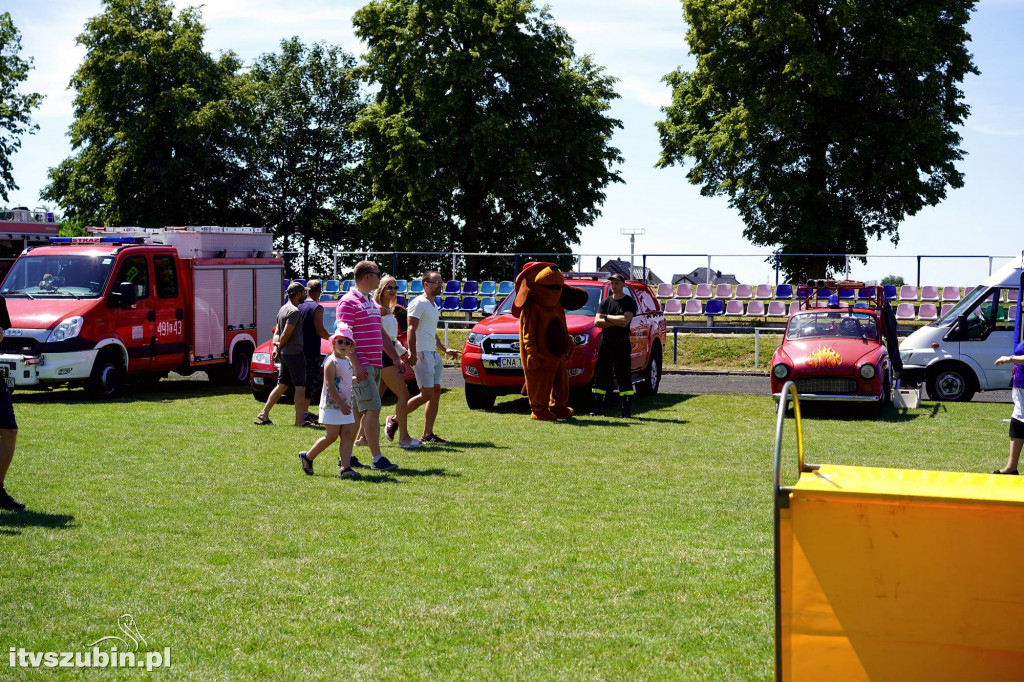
613, 353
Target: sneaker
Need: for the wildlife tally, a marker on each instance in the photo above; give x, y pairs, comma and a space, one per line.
383, 464
391, 427
8, 502
307, 465
311, 417
349, 473
434, 438
412, 444
1009, 473
353, 463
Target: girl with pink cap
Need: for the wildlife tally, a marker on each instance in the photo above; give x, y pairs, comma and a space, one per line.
336, 405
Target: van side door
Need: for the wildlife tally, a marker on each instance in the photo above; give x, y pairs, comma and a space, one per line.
989, 334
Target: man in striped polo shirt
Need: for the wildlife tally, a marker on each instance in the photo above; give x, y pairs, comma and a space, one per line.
361, 313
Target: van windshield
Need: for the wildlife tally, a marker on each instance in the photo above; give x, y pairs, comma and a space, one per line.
57, 276
965, 304
589, 308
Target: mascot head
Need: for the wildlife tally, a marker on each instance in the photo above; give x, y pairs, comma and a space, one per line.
542, 284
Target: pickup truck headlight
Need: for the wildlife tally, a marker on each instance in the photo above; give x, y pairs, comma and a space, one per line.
68, 329
867, 371
261, 358
475, 339
580, 339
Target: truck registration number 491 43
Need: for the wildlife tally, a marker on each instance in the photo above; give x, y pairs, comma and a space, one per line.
169, 328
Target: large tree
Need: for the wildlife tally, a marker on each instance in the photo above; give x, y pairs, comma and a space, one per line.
303, 155
825, 123
487, 133
15, 107
154, 136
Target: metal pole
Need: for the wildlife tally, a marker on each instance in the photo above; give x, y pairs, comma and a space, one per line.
394, 265
336, 267
918, 272
453, 278
757, 347
776, 269
515, 266
675, 345
709, 270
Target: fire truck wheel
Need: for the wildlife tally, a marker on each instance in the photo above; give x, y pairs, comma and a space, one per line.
107, 377
237, 373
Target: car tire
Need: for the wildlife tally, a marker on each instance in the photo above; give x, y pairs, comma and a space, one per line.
652, 373
479, 398
952, 382
260, 396
107, 378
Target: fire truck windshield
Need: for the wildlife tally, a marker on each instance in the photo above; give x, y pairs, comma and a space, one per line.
57, 276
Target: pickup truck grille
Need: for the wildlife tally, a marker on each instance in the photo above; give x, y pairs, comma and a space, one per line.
501, 344
827, 385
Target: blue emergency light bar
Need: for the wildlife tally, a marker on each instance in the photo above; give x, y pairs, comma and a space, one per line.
97, 240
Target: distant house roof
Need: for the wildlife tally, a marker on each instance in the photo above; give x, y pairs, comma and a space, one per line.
702, 275
635, 273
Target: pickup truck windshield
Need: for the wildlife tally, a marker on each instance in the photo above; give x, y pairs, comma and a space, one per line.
590, 308
57, 276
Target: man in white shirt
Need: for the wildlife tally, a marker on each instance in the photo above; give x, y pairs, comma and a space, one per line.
425, 349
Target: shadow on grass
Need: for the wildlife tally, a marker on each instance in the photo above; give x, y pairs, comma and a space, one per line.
412, 473
161, 392
33, 519
853, 412
456, 445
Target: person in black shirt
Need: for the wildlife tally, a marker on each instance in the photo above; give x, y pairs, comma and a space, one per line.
613, 352
8, 425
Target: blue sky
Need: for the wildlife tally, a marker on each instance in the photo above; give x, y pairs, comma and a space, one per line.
638, 42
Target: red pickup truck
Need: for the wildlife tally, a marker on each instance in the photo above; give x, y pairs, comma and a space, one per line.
135, 302
491, 365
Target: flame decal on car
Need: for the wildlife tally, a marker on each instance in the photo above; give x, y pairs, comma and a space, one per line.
824, 357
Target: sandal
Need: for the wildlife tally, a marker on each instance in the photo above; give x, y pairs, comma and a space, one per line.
1006, 473
307, 464
262, 422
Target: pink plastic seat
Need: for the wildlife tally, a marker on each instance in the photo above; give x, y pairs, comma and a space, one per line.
744, 291
664, 290
684, 290
723, 291
704, 291
776, 309
908, 292
927, 311
946, 307
905, 311
763, 292
950, 294
693, 307
929, 293
755, 309
734, 307
673, 306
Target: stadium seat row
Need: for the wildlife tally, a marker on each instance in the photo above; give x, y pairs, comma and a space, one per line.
766, 292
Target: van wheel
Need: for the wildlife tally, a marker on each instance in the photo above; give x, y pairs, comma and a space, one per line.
951, 382
107, 378
479, 398
652, 373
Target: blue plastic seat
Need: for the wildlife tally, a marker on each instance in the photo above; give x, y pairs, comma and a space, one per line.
326, 297
452, 287
890, 291
400, 300
714, 307
784, 291
450, 305
488, 304
300, 281
488, 288
470, 304
864, 294
332, 286
846, 294
505, 287
416, 287
403, 285
286, 283
470, 287
347, 285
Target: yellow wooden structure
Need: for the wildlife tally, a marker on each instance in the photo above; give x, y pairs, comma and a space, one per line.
889, 574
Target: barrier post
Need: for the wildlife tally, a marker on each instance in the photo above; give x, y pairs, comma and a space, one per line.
757, 340
675, 345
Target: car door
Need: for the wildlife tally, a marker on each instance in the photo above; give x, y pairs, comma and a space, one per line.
638, 327
135, 325
167, 342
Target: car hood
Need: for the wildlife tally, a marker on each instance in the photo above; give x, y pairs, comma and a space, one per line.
46, 313
506, 324
830, 353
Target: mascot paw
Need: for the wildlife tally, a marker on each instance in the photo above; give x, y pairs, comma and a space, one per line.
563, 412
546, 415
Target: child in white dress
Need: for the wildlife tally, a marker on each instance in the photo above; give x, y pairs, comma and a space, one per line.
336, 405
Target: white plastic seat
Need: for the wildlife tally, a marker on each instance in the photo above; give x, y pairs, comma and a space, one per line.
950, 294
673, 306
755, 309
929, 293
684, 290
908, 292
723, 291
744, 291
927, 311
664, 290
734, 307
705, 291
776, 308
694, 307
763, 292
905, 311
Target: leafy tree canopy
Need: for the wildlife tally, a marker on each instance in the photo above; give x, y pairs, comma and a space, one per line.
488, 133
893, 280
154, 134
825, 123
303, 155
15, 107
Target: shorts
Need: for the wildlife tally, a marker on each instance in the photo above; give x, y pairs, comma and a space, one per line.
7, 420
428, 369
330, 416
313, 383
1016, 428
386, 361
293, 370
366, 394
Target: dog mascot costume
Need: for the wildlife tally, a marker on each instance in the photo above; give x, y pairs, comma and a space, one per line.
541, 300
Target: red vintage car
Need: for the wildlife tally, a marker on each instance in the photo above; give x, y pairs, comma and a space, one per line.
263, 372
837, 344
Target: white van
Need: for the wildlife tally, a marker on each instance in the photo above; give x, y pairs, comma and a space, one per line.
954, 355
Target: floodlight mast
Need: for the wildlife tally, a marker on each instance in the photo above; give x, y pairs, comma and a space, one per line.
632, 232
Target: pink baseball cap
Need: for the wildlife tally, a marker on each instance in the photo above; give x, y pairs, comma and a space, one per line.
342, 331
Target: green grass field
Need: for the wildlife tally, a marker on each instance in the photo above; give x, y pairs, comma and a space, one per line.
590, 549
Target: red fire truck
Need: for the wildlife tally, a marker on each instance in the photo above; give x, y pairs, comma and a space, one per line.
138, 303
